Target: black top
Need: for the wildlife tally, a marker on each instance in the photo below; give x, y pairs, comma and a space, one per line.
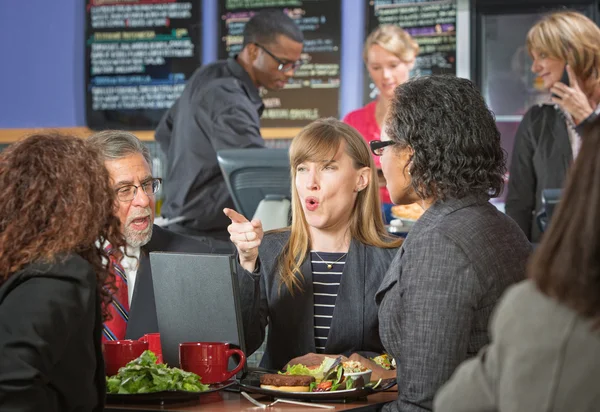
219, 109
50, 331
541, 157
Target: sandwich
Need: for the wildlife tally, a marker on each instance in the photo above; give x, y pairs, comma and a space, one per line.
286, 383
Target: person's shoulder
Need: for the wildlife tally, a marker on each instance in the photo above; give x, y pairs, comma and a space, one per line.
360, 116
523, 308
540, 112
275, 240
213, 82
64, 266
386, 254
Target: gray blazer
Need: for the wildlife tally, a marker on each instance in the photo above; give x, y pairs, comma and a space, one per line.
437, 297
265, 301
543, 357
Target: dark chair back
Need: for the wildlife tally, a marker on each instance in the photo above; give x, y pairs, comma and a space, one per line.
255, 174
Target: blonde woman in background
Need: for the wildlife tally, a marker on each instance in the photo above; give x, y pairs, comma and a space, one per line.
389, 54
549, 136
314, 283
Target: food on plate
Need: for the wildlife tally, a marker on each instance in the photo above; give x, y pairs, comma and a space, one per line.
409, 212
286, 383
143, 375
328, 376
385, 361
353, 367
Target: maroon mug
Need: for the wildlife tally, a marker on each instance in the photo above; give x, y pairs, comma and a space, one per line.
209, 360
118, 353
153, 340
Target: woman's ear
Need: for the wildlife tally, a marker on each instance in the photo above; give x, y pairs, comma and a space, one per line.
364, 178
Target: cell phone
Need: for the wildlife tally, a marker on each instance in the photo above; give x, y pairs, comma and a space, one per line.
563, 79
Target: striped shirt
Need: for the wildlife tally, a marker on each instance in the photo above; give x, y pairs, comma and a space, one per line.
326, 283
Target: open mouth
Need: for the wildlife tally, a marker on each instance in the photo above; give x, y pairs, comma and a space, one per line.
312, 203
140, 223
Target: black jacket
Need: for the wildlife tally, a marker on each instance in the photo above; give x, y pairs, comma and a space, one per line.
354, 326
541, 156
50, 331
219, 108
142, 312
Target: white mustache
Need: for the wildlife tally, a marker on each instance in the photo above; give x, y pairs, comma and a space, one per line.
139, 214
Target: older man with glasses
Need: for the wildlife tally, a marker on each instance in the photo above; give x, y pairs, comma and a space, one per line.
128, 162
220, 108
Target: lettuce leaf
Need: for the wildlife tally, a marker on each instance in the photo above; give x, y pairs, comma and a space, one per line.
143, 375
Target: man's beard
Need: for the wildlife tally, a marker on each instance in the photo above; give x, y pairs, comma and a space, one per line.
137, 238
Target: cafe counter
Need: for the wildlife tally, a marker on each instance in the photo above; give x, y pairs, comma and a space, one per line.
8, 136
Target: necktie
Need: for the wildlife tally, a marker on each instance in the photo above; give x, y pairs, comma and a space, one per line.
114, 329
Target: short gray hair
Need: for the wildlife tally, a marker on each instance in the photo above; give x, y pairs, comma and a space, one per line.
117, 144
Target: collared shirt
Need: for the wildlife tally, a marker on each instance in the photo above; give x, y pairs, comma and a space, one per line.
130, 263
219, 108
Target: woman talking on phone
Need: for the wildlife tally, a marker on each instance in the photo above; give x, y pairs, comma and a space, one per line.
565, 48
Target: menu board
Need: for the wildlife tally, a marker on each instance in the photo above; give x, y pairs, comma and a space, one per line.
313, 92
138, 56
431, 23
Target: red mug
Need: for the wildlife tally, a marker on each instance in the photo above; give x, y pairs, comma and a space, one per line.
209, 360
118, 353
153, 340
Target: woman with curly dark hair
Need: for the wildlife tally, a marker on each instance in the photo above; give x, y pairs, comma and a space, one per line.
546, 330
441, 148
57, 207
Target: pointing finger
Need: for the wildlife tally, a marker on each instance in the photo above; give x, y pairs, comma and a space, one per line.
234, 216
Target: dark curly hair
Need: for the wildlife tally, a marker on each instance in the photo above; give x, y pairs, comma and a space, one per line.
56, 199
456, 143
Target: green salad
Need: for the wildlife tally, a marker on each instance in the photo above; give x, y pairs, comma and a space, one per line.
143, 375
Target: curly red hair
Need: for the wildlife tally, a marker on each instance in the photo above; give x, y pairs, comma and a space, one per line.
56, 199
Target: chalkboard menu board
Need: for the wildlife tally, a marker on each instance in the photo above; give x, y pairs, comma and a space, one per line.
431, 23
314, 91
139, 54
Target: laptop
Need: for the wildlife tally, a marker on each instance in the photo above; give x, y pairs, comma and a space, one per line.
197, 300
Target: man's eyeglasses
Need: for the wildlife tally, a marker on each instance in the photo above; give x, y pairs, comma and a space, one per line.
284, 65
127, 193
378, 145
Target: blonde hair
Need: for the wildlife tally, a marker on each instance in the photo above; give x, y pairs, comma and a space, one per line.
573, 38
320, 141
394, 40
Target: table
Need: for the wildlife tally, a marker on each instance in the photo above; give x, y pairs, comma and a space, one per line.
230, 401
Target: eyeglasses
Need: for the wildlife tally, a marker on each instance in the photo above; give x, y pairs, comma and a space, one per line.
378, 145
284, 65
128, 193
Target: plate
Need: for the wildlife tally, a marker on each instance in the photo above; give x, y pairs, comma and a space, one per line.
165, 396
343, 395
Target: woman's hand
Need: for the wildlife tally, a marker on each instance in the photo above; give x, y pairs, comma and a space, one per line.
312, 359
377, 371
246, 236
572, 99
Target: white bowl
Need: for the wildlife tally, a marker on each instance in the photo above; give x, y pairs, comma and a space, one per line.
366, 375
